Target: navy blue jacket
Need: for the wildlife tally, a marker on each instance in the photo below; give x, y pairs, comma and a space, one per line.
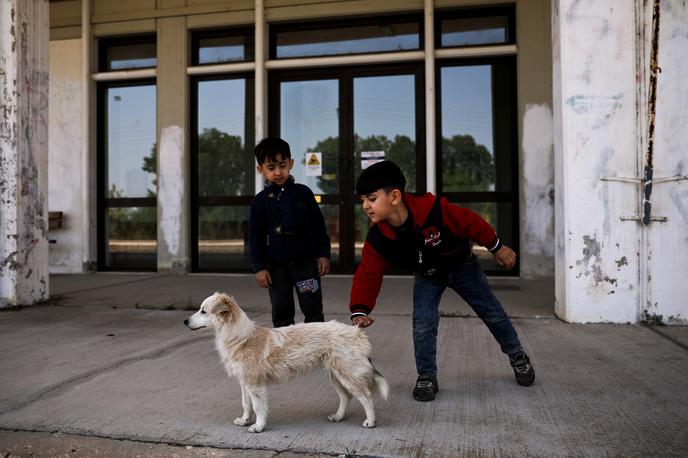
286, 225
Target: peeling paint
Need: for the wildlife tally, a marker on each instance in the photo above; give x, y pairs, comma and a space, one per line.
621, 262
170, 190
538, 177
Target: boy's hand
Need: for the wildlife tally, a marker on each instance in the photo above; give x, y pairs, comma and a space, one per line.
363, 321
323, 266
263, 278
505, 257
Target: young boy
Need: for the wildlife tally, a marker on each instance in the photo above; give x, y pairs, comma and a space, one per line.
287, 237
431, 237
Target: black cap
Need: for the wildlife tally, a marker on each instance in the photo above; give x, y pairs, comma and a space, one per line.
381, 175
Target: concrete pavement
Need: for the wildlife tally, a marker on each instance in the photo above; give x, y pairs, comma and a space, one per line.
111, 358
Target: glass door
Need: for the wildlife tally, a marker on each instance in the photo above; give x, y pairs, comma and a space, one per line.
335, 121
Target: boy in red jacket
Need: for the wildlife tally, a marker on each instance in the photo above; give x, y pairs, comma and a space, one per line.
433, 238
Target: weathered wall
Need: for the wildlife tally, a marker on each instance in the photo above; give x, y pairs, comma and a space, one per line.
667, 243
595, 136
535, 135
65, 151
24, 38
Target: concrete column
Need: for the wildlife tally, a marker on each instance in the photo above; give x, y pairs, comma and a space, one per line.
173, 149
536, 155
24, 41
595, 136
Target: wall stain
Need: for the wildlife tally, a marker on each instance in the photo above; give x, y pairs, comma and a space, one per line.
621, 262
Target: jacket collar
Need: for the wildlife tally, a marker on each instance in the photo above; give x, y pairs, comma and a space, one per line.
418, 208
275, 188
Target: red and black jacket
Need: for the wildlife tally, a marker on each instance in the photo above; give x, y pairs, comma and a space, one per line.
443, 238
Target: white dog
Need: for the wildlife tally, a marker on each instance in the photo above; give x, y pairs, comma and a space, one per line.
258, 356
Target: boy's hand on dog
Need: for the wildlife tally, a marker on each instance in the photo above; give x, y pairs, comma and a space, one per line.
263, 278
363, 321
323, 266
505, 257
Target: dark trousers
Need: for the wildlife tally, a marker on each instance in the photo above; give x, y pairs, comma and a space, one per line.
302, 276
469, 281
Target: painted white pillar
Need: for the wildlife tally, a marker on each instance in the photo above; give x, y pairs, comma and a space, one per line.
173, 146
24, 41
430, 122
666, 252
595, 136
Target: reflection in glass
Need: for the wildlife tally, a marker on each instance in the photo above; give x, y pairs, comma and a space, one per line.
213, 50
474, 31
225, 167
385, 120
131, 235
127, 56
331, 214
500, 217
309, 120
223, 237
467, 129
131, 156
361, 226
348, 40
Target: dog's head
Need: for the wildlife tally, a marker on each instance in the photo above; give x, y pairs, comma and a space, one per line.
215, 311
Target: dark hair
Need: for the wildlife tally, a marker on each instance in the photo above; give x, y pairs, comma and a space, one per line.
269, 148
381, 175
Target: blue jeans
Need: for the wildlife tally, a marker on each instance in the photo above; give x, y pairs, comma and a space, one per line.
469, 281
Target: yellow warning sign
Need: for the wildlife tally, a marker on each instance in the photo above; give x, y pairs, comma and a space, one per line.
313, 164
313, 160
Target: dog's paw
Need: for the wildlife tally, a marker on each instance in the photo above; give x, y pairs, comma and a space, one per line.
368, 423
241, 421
335, 418
255, 428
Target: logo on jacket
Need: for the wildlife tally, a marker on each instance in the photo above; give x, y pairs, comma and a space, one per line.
431, 237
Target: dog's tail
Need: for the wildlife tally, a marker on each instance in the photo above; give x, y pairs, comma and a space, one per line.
381, 385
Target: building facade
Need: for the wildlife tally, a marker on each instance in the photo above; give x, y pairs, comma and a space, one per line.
532, 113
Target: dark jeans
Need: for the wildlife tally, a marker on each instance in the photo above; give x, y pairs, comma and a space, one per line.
469, 281
302, 275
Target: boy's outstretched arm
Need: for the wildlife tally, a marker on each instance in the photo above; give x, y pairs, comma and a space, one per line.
366, 286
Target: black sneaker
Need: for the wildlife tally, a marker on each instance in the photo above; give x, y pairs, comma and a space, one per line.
523, 370
426, 387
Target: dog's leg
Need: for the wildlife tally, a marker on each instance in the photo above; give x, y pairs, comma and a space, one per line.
367, 403
246, 405
259, 398
344, 397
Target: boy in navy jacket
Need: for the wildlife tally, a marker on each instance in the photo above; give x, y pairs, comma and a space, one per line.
288, 241
432, 238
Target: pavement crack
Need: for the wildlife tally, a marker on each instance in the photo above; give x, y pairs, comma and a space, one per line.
71, 382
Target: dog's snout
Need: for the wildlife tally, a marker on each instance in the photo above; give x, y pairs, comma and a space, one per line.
186, 322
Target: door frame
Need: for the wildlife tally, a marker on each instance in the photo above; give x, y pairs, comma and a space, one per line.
346, 199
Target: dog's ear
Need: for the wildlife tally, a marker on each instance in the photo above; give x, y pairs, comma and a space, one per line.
224, 308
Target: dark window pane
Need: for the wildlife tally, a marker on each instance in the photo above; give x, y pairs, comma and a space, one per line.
223, 238
385, 123
126, 56
474, 31
501, 218
213, 50
309, 122
225, 166
348, 40
331, 214
131, 156
131, 238
467, 129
